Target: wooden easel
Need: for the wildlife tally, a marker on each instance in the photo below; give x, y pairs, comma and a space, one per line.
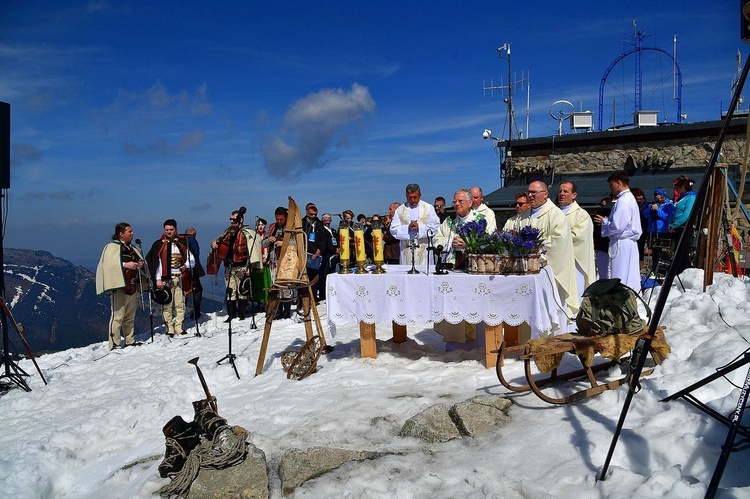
291, 275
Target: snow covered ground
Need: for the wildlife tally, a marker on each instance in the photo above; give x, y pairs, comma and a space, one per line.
95, 430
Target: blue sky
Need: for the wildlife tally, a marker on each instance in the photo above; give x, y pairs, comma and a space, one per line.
141, 111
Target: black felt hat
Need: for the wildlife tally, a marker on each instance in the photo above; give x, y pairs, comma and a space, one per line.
162, 296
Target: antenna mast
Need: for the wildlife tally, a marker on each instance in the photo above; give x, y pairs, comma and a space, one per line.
513, 132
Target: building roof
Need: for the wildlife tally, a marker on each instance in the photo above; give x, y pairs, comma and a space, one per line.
592, 187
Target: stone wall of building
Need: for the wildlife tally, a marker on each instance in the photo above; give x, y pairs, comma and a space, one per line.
585, 159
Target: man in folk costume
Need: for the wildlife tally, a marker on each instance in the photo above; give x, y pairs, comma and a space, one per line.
582, 230
550, 220
412, 221
118, 275
453, 248
191, 237
274, 241
243, 252
477, 202
623, 227
170, 261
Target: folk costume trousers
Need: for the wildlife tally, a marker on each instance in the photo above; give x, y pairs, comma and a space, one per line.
234, 276
175, 319
122, 318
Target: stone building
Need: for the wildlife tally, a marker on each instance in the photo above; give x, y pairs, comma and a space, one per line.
652, 156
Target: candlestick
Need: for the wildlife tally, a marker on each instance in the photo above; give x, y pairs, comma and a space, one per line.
344, 247
359, 248
377, 247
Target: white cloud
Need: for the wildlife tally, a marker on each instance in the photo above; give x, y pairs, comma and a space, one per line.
313, 126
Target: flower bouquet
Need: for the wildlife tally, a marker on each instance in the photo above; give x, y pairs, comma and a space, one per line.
480, 257
522, 250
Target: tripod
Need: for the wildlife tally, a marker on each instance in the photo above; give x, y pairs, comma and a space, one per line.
681, 251
13, 373
734, 423
151, 287
230, 356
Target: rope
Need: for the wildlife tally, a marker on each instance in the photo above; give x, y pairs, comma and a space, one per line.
227, 448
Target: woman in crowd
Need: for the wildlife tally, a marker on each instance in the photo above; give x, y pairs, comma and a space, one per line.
261, 277
677, 225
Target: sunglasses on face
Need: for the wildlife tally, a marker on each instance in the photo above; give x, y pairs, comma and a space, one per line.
233, 220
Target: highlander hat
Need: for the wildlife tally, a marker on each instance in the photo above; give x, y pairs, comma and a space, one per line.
162, 296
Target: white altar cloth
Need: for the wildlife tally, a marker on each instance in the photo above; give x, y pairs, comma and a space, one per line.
419, 298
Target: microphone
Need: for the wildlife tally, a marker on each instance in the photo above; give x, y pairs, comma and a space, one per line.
242, 210
138, 241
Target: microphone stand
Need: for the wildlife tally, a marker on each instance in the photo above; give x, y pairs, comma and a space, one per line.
413, 245
430, 249
230, 356
150, 290
440, 267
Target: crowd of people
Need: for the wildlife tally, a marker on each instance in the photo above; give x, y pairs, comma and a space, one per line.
580, 248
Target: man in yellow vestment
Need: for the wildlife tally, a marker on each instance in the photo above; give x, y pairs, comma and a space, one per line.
550, 220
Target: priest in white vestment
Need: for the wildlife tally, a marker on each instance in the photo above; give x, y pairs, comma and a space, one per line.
414, 220
582, 230
477, 202
558, 242
452, 244
623, 227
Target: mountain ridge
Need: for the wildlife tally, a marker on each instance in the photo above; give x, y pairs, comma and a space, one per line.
57, 304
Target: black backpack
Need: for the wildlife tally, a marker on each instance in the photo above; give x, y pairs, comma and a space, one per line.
610, 307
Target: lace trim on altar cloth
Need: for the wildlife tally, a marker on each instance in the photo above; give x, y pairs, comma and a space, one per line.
421, 299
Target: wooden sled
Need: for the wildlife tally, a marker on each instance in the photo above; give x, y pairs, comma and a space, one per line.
547, 353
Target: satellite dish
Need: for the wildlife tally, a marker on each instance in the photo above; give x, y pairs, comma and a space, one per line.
561, 110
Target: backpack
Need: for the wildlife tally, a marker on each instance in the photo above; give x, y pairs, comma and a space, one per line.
609, 307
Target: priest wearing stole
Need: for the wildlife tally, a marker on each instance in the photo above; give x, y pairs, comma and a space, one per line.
550, 220
582, 230
452, 243
414, 220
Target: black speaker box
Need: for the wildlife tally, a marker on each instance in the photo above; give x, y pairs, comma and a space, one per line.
4, 145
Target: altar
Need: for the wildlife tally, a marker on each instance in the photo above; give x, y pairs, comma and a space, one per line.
399, 298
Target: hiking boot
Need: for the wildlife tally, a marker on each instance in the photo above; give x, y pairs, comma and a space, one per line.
181, 438
208, 421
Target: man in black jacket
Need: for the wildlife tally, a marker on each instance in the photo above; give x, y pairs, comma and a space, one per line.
311, 225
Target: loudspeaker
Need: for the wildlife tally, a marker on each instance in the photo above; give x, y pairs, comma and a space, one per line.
4, 145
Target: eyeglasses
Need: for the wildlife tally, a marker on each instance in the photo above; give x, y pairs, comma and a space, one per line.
521, 204
233, 220
459, 202
534, 193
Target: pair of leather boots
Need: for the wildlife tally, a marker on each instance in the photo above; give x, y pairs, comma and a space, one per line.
182, 437
236, 309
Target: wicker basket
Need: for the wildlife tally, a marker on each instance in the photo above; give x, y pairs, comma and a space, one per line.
523, 265
496, 264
